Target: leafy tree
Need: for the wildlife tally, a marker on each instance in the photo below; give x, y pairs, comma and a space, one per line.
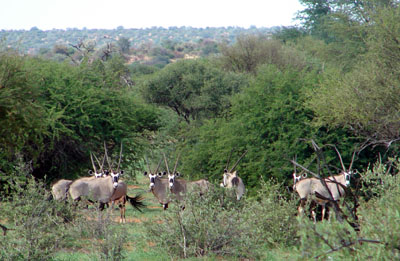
124, 45
291, 33
270, 121
366, 99
315, 13
251, 51
192, 88
53, 114
23, 120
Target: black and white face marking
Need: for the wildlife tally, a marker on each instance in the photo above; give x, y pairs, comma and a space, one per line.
152, 178
347, 175
115, 177
171, 180
98, 175
95, 174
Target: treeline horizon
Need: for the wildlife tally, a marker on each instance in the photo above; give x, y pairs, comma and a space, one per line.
328, 81
36, 38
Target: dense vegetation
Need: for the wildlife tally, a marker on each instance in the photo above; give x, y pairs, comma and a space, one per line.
293, 94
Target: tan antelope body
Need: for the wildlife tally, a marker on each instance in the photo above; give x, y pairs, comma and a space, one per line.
96, 189
59, 190
231, 180
334, 190
180, 186
158, 186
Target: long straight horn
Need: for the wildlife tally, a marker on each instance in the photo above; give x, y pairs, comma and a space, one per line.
105, 153
148, 165
340, 158
237, 162
120, 156
352, 160
158, 166
102, 163
294, 165
98, 162
166, 164
91, 159
176, 163
229, 159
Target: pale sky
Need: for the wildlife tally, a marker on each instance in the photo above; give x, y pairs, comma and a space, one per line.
102, 14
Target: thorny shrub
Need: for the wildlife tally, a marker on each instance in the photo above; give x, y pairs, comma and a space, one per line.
216, 224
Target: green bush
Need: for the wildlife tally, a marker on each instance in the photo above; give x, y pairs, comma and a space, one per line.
376, 181
37, 224
106, 240
215, 224
272, 216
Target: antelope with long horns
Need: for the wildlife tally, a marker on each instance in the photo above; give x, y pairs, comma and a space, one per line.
180, 186
105, 190
325, 190
158, 186
232, 180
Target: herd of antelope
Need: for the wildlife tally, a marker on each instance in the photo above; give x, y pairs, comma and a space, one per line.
104, 187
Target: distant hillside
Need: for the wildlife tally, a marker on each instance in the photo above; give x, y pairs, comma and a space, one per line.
34, 41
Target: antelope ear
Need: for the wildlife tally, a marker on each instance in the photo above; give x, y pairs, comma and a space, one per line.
122, 172
145, 173
304, 175
178, 174
107, 172
294, 175
164, 173
234, 173
90, 172
225, 171
160, 174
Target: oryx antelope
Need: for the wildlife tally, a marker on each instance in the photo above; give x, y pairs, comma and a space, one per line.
232, 180
158, 186
59, 190
333, 191
106, 189
180, 186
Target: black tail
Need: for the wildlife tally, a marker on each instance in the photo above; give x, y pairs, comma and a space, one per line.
136, 202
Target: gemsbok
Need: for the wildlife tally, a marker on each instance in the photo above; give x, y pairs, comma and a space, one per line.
59, 190
333, 189
232, 180
104, 190
158, 186
180, 186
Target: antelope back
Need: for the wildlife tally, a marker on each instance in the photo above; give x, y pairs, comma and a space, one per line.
60, 189
201, 185
79, 187
97, 189
309, 186
102, 189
